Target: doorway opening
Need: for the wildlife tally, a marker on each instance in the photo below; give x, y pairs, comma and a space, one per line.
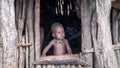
62, 11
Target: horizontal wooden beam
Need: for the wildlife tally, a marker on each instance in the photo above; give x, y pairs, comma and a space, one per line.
116, 4
19, 45
69, 56
116, 46
62, 59
88, 51
23, 45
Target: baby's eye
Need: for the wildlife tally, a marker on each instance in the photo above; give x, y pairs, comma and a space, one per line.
59, 32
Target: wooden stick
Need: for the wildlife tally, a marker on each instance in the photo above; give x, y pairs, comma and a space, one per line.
72, 66
68, 66
52, 66
118, 16
1, 54
89, 51
27, 49
22, 58
117, 46
1, 45
23, 45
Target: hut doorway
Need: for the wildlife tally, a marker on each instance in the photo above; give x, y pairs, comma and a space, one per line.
62, 11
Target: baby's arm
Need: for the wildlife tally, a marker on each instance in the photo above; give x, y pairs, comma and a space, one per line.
47, 48
68, 47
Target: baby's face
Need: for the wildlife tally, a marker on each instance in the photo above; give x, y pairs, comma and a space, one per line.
59, 33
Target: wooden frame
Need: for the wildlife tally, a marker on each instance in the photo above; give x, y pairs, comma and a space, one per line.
62, 59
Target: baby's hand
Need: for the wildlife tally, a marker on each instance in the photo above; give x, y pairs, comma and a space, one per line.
69, 52
43, 55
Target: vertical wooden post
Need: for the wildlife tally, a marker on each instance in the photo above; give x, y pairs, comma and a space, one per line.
27, 49
1, 51
22, 54
86, 12
30, 29
103, 12
16, 20
115, 32
98, 59
37, 31
9, 33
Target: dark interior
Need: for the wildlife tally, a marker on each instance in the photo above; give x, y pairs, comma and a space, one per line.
71, 23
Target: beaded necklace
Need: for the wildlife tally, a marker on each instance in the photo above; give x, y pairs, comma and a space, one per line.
59, 40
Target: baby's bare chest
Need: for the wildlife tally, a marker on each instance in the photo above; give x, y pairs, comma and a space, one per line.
59, 45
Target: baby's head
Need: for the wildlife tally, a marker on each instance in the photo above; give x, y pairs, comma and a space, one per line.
58, 31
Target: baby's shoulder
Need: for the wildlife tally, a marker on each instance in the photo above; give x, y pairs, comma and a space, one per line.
65, 40
52, 41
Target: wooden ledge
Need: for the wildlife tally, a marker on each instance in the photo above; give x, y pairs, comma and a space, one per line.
59, 57
61, 60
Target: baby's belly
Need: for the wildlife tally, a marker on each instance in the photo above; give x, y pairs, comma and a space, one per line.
59, 51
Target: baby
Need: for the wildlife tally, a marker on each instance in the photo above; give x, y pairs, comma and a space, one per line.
60, 44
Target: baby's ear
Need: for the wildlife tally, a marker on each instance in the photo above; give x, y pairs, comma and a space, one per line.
53, 35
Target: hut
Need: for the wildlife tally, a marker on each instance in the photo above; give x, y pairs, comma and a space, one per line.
92, 28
